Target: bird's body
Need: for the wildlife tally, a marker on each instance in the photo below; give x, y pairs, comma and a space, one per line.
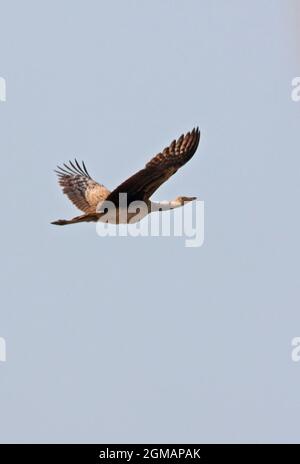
129, 202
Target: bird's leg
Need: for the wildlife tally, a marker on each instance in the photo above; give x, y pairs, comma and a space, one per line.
83, 218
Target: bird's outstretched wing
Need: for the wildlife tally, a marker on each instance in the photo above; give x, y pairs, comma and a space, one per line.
80, 188
143, 184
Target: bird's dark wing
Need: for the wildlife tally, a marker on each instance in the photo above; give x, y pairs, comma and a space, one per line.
143, 184
80, 188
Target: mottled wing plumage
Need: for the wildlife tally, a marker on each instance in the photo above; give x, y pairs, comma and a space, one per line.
145, 182
80, 188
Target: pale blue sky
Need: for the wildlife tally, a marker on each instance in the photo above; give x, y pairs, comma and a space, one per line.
118, 340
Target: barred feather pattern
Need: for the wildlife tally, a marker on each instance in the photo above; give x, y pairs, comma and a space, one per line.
81, 189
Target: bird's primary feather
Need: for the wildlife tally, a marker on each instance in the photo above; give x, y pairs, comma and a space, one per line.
143, 184
80, 188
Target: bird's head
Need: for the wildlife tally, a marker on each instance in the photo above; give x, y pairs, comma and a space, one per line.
182, 200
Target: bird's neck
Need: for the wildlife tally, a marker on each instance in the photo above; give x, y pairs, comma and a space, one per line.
164, 205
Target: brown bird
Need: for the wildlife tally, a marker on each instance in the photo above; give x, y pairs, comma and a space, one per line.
94, 199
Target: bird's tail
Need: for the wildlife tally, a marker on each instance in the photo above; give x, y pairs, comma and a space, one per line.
82, 218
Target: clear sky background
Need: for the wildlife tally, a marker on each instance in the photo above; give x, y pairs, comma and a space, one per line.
135, 340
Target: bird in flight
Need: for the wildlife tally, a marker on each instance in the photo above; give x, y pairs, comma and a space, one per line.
93, 198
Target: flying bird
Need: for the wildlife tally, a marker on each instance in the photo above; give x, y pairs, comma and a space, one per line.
93, 198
